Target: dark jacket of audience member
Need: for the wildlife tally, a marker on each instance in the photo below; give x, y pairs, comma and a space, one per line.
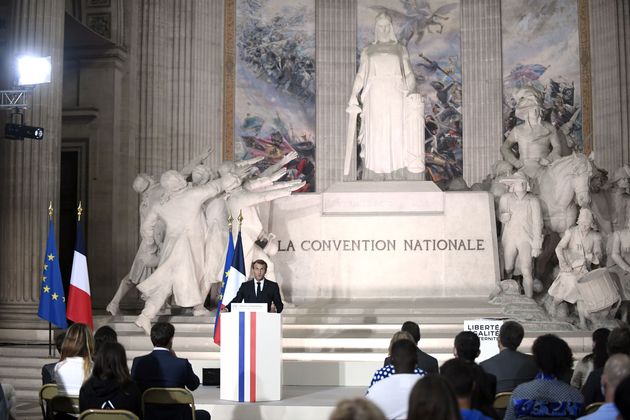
510, 367
48, 370
547, 396
110, 387
467, 348
161, 368
425, 361
618, 342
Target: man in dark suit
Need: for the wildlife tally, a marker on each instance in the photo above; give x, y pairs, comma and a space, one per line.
259, 290
162, 368
425, 361
511, 367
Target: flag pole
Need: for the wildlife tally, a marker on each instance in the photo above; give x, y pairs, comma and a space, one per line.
50, 216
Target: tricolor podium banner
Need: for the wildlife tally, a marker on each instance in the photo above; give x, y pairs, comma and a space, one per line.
251, 356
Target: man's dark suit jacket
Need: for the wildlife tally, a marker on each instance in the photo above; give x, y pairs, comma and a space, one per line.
511, 368
426, 362
161, 369
269, 293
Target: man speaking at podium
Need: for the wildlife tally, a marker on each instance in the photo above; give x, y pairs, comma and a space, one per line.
259, 290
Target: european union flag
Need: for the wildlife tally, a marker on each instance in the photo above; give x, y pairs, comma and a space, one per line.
52, 302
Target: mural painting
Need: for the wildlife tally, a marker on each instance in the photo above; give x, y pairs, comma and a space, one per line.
275, 85
430, 29
541, 50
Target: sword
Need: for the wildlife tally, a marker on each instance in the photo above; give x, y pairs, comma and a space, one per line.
353, 112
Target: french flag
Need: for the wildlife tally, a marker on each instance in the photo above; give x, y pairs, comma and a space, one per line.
79, 297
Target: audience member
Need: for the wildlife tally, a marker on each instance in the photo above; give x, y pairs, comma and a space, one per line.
594, 360
426, 362
616, 369
392, 394
622, 399
388, 369
356, 409
433, 398
460, 376
162, 368
7, 402
546, 395
618, 342
48, 370
510, 367
467, 348
105, 334
110, 387
75, 364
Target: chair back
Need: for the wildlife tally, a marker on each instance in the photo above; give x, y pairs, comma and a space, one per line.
168, 396
65, 404
501, 400
92, 414
46, 394
592, 407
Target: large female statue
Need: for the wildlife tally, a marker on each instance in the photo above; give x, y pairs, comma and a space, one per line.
392, 123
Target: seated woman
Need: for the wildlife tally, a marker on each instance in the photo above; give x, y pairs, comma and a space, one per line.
433, 398
110, 387
388, 370
75, 364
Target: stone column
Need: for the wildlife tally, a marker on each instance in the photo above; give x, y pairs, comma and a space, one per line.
29, 169
609, 144
482, 86
336, 22
180, 82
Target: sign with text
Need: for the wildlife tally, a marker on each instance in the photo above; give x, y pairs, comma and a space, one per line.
488, 332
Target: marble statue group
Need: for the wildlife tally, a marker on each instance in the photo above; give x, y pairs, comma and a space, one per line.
184, 231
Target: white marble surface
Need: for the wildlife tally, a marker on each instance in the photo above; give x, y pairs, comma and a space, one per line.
447, 254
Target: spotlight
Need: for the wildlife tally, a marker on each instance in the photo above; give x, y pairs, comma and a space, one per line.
19, 132
33, 70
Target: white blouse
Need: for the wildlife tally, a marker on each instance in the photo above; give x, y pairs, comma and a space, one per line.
69, 376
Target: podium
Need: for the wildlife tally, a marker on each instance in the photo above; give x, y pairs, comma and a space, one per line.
251, 356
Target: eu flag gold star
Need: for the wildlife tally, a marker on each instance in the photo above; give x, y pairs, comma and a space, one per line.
63, 299
51, 257
55, 296
46, 289
45, 267
44, 278
220, 297
226, 274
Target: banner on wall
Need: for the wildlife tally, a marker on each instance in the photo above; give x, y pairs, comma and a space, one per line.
488, 332
274, 112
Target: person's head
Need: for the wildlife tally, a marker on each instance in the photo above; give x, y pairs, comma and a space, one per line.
105, 334
162, 334
79, 342
600, 351
413, 329
520, 182
59, 340
433, 398
111, 363
467, 346
383, 29
511, 335
356, 409
585, 219
552, 354
141, 183
616, 369
460, 376
398, 335
172, 181
404, 356
619, 341
622, 398
201, 174
259, 269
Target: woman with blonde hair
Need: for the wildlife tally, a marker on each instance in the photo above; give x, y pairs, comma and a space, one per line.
75, 364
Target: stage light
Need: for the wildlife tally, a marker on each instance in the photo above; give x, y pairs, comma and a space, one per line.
19, 132
33, 70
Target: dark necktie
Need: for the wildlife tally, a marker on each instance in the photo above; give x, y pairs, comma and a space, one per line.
258, 288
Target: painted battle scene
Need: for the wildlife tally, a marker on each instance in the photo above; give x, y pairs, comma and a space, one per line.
541, 50
275, 85
431, 32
